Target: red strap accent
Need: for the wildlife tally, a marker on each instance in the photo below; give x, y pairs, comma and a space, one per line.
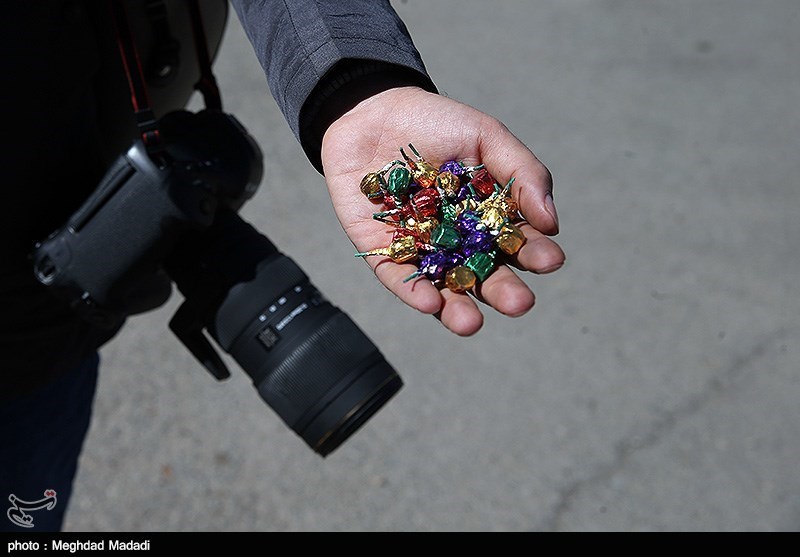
145, 118
207, 85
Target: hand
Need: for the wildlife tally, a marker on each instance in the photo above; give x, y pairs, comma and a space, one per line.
371, 134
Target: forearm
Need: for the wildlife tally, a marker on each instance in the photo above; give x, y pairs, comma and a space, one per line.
323, 57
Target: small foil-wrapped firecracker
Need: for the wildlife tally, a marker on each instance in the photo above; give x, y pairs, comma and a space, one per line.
454, 222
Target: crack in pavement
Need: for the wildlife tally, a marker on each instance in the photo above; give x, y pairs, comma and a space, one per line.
662, 425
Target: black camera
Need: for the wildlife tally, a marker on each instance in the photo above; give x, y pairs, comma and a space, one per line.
172, 216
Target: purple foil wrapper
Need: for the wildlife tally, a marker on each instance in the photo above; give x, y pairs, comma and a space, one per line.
435, 265
477, 241
467, 223
463, 193
452, 166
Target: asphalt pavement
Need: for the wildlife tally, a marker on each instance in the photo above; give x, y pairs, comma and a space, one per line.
654, 386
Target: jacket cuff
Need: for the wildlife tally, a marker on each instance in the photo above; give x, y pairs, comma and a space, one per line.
344, 85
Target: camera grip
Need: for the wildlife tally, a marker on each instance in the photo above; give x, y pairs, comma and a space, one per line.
106, 260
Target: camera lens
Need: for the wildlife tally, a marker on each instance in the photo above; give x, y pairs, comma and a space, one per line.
308, 360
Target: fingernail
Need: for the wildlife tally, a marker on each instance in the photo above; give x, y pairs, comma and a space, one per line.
549, 269
551, 207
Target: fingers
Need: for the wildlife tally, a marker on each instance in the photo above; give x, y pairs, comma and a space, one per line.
503, 290
538, 254
460, 313
507, 157
506, 293
419, 294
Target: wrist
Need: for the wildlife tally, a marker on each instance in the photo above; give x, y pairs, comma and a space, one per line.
347, 84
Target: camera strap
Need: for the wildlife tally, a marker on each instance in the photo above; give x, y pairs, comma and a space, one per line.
146, 120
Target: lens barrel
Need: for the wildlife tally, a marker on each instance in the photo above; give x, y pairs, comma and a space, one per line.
308, 360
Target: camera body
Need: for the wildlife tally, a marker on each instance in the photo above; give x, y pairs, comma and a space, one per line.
168, 214
107, 261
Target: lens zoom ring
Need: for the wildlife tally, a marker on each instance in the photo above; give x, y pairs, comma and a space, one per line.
318, 362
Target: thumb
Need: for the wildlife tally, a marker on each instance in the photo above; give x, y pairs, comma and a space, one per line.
506, 157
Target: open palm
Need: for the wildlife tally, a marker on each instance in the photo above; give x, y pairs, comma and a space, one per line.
371, 134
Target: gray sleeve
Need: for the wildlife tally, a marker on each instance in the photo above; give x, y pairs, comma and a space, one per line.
299, 41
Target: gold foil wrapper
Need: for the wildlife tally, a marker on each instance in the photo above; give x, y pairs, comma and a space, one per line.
424, 227
424, 174
510, 239
403, 249
449, 183
460, 279
371, 184
493, 218
466, 205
